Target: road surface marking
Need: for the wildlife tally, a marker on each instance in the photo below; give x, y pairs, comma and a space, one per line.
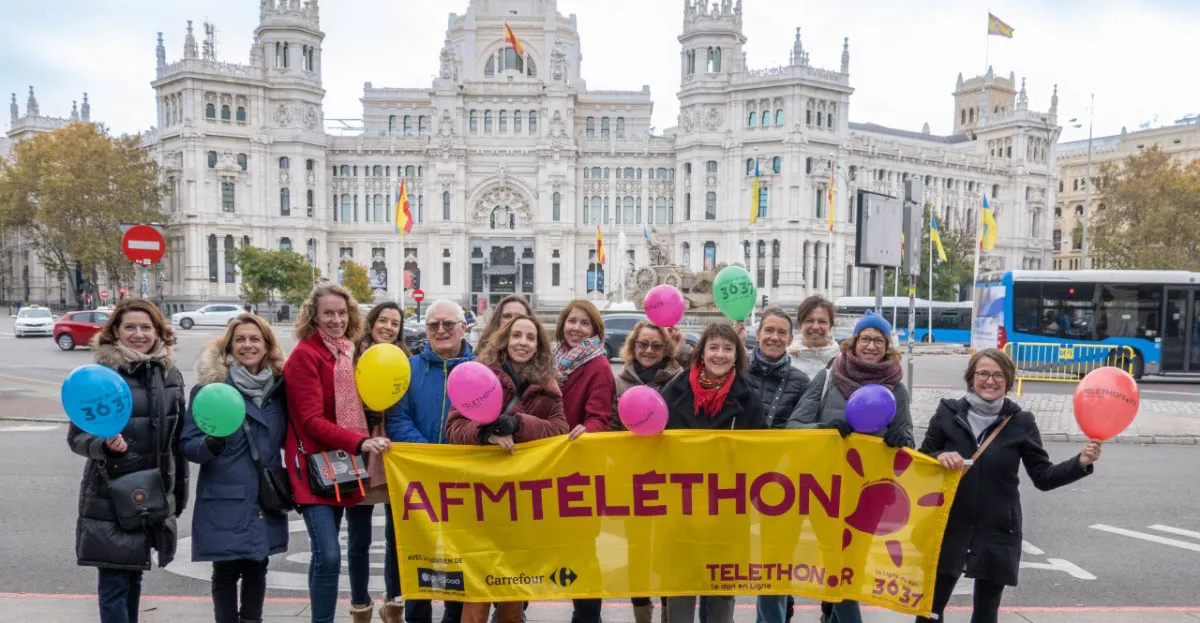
1030, 548
1153, 538
26, 429
1178, 531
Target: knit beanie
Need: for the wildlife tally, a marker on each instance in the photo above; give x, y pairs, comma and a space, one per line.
872, 320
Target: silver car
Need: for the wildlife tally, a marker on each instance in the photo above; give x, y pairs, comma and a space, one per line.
33, 321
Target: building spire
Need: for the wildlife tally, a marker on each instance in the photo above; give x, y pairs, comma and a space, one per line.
846, 55
13, 110
189, 43
1054, 101
799, 56
31, 106
1022, 97
160, 52
85, 111
74, 110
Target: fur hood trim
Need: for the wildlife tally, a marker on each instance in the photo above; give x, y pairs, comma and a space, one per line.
211, 366
110, 356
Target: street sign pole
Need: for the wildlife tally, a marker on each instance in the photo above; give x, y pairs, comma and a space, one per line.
145, 290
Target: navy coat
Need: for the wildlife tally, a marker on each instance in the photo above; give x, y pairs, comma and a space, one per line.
228, 523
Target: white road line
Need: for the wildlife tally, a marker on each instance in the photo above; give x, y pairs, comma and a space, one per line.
1178, 531
26, 429
1031, 549
1195, 547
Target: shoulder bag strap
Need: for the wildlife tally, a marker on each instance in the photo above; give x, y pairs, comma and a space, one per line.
987, 442
253, 446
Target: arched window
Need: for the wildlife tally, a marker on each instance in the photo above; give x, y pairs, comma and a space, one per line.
710, 206
687, 206
660, 211
829, 120
753, 118
556, 207
242, 162
710, 255
284, 163
604, 128
664, 173
971, 115
422, 126
445, 205
620, 127
210, 111
517, 119
391, 124
590, 127
377, 171
285, 202
629, 173
766, 118
345, 170
378, 208
410, 171
212, 159
489, 70
628, 216
212, 258
474, 121
241, 114
310, 201
779, 117
285, 244
777, 165
227, 197
407, 125
509, 59
963, 116
503, 121
225, 112
345, 208
230, 269
820, 118
533, 122
530, 66
749, 166
487, 121
587, 210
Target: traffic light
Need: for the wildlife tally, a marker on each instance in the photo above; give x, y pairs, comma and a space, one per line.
764, 301
124, 293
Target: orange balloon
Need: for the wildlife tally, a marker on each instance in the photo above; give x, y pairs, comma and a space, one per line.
1106, 401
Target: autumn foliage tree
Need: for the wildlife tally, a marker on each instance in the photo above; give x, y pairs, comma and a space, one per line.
69, 190
1150, 218
266, 273
355, 279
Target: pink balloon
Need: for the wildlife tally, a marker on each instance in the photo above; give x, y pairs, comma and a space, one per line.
475, 391
664, 305
643, 410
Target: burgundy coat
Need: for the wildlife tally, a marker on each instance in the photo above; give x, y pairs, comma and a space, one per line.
588, 396
540, 410
308, 374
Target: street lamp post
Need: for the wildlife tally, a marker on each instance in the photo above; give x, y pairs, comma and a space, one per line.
1085, 263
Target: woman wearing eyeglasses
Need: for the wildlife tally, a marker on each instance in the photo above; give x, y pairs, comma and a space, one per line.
983, 534
866, 359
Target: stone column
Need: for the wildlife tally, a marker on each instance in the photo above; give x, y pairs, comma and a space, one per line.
807, 268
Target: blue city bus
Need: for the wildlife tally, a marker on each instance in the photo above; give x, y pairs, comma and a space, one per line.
1156, 313
951, 320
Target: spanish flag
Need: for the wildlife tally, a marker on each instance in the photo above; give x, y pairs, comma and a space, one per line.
404, 219
599, 246
988, 231
999, 28
755, 195
936, 238
512, 40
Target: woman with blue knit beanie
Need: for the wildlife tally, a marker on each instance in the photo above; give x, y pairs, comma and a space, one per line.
868, 358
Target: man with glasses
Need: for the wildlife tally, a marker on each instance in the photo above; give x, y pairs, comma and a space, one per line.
420, 417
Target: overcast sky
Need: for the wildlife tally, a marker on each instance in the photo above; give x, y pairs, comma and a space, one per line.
1137, 56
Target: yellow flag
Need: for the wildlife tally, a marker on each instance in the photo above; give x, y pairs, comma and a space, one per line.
999, 28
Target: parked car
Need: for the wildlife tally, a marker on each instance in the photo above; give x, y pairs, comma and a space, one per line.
216, 315
414, 335
33, 320
617, 328
77, 328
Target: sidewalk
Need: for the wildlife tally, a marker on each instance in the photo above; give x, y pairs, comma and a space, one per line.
74, 608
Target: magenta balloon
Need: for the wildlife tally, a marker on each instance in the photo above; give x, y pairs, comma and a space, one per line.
870, 409
642, 410
664, 305
475, 391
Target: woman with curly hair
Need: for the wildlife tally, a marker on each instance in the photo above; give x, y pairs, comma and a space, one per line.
510, 307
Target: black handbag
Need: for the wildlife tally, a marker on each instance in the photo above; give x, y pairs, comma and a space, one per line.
332, 473
274, 488
140, 498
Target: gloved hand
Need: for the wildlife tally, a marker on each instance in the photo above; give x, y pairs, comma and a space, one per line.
216, 445
840, 425
896, 438
505, 425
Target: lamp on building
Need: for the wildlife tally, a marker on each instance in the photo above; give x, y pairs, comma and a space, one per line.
1087, 201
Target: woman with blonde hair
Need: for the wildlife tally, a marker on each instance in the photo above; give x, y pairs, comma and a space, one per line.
327, 414
231, 527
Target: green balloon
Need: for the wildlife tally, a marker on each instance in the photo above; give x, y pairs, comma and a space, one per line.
218, 409
734, 293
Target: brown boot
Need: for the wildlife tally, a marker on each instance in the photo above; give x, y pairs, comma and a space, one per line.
362, 614
643, 614
391, 612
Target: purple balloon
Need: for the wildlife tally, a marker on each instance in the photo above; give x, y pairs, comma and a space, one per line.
870, 409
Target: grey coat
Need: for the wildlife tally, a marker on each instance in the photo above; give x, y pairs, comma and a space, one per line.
815, 409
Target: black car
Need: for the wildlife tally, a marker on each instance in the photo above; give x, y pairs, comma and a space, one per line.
617, 328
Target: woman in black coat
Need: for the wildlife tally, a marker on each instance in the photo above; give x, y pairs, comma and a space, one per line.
983, 535
136, 343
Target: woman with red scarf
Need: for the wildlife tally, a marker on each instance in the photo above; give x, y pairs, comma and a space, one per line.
712, 395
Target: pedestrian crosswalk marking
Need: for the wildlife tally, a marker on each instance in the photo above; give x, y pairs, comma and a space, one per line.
1154, 538
1178, 531
26, 429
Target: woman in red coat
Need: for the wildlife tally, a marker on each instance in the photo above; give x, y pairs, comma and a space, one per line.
519, 353
326, 415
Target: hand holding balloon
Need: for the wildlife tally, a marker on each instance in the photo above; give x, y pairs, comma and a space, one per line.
870, 409
116, 444
1090, 454
97, 400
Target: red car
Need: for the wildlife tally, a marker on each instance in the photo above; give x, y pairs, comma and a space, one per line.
77, 328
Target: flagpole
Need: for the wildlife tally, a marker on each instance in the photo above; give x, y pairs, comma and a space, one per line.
929, 303
978, 247
895, 296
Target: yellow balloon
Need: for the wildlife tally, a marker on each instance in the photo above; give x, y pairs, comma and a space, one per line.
382, 376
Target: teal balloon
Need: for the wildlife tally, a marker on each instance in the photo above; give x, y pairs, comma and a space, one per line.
218, 409
734, 293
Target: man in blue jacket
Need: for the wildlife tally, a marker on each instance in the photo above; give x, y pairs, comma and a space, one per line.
420, 417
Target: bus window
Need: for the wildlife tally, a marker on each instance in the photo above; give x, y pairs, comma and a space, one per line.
1026, 301
1067, 310
946, 320
1128, 311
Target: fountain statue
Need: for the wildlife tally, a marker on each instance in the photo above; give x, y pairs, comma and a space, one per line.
624, 267
696, 286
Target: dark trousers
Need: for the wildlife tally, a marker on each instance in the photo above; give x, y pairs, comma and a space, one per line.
119, 593
225, 576
986, 607
421, 611
391, 565
586, 611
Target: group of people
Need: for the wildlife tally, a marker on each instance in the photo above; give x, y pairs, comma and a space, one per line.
797, 377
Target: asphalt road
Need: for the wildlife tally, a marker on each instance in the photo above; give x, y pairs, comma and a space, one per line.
1127, 536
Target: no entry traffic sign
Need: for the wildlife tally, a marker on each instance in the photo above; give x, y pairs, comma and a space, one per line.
143, 245
418, 295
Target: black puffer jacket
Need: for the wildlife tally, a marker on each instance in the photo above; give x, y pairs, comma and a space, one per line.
158, 407
779, 386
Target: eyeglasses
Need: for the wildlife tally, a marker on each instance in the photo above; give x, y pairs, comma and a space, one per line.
983, 375
651, 346
867, 341
445, 325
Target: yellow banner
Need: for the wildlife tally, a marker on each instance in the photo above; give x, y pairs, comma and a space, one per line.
683, 513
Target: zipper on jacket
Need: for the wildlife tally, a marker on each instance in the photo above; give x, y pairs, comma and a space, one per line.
445, 378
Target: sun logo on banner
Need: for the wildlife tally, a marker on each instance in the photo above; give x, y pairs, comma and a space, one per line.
884, 505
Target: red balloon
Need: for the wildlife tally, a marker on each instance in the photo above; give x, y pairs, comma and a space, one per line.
1106, 401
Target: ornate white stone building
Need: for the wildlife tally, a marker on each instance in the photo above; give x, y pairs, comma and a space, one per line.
512, 164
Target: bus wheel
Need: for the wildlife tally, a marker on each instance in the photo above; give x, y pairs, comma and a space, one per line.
1120, 359
928, 338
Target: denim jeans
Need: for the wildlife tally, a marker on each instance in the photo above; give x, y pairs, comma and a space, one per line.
391, 565
225, 576
421, 611
683, 609
324, 524
846, 612
119, 593
771, 609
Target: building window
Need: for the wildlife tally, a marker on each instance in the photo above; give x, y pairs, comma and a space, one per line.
687, 206
225, 112
590, 127
779, 117
212, 258
285, 202
212, 159
243, 164
422, 126
281, 55
605, 129
346, 214
660, 211
310, 201
555, 274
777, 165
379, 214
710, 206
517, 118
686, 255
227, 204
556, 207
408, 130
284, 163
230, 269
285, 244
710, 255
241, 114
995, 191
532, 122
750, 162
711, 167
752, 119
620, 127
210, 111
345, 170
766, 118
474, 123
410, 171
420, 208
503, 121
445, 273
487, 121
763, 202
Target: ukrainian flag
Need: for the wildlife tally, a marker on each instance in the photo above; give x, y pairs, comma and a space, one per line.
936, 238
989, 233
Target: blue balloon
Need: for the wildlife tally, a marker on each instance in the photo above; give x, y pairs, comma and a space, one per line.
870, 409
97, 400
